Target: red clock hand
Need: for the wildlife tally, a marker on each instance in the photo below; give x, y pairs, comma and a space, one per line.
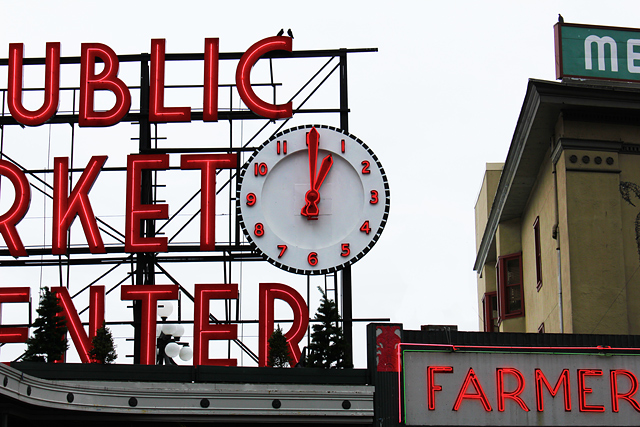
326, 164
312, 197
313, 140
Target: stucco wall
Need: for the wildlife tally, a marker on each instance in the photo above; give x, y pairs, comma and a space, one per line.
541, 306
593, 222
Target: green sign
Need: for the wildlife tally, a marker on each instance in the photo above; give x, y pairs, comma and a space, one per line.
595, 52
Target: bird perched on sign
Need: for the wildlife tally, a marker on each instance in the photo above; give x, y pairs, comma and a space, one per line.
290, 33
560, 19
281, 32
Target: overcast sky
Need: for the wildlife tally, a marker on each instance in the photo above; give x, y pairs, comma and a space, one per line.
437, 102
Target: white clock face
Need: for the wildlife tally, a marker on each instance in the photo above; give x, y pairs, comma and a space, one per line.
313, 199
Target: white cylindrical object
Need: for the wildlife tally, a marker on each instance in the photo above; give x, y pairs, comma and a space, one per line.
172, 349
165, 308
168, 328
179, 331
186, 353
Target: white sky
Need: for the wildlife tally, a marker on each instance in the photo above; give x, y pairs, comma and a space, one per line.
439, 100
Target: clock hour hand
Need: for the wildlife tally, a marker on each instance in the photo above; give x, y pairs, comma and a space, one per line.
326, 164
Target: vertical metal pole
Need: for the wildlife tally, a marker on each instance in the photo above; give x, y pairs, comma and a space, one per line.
144, 261
347, 313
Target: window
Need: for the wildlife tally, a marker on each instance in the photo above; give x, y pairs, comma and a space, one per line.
510, 294
536, 236
490, 309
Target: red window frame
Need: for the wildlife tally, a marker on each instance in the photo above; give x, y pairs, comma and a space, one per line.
538, 252
489, 304
503, 287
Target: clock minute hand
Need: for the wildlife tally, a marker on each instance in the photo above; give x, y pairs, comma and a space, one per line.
313, 140
312, 197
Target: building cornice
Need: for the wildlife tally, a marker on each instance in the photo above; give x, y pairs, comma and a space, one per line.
533, 136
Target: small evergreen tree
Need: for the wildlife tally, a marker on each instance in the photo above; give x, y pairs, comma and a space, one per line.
103, 350
279, 356
49, 341
328, 346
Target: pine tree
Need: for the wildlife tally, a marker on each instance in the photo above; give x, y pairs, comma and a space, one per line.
49, 341
328, 346
103, 350
279, 356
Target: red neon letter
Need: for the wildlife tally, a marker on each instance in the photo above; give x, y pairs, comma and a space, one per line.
515, 395
471, 378
562, 380
21, 294
243, 78
204, 331
157, 111
65, 209
106, 80
149, 295
210, 102
81, 340
583, 390
14, 215
51, 86
628, 396
268, 293
432, 387
136, 211
208, 164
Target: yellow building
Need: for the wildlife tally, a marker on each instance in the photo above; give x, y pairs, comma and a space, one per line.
558, 224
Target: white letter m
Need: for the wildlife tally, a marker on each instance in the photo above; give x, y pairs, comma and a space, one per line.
600, 42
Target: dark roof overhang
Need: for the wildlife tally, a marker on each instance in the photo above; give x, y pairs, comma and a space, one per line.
543, 103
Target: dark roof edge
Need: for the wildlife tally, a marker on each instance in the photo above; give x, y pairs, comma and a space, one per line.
525, 120
566, 94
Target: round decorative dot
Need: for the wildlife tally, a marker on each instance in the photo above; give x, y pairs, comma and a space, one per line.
598, 160
133, 402
5, 381
28, 390
276, 404
204, 403
609, 161
70, 397
346, 404
586, 160
573, 159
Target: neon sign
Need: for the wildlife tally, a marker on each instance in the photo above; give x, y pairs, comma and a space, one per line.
516, 386
107, 80
99, 68
149, 295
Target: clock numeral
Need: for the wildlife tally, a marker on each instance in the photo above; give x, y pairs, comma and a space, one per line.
258, 230
345, 250
365, 227
342, 147
282, 150
260, 169
283, 249
374, 197
312, 258
365, 167
251, 199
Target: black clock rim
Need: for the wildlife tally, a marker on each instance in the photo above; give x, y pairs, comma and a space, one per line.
335, 268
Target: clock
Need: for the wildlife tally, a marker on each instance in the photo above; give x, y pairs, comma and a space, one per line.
313, 199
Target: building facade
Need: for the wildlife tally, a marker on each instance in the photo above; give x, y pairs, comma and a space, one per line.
558, 224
